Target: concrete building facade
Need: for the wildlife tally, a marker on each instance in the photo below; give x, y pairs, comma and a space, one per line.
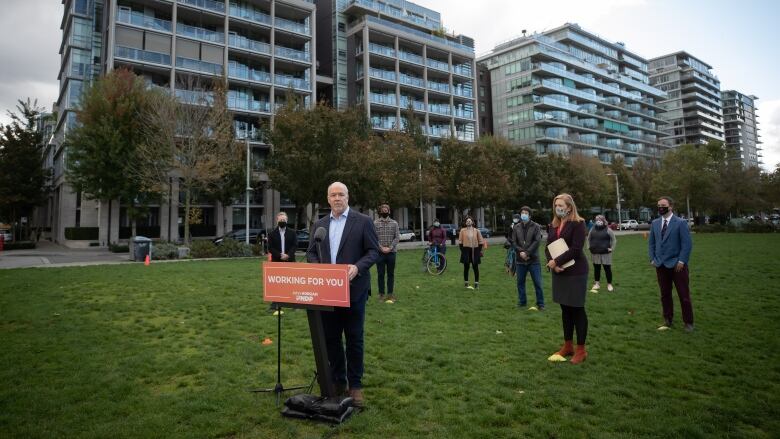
692, 111
568, 91
740, 121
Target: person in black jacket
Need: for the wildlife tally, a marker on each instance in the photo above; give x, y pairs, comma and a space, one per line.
569, 285
526, 237
282, 241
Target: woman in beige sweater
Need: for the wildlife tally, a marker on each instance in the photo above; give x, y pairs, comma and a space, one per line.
471, 247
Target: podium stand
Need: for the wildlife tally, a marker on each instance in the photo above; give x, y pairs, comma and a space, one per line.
315, 288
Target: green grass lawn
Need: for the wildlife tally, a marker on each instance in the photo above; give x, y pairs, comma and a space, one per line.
170, 351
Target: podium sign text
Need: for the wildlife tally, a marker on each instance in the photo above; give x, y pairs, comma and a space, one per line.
306, 284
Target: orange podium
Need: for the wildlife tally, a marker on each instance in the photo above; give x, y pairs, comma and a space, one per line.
315, 288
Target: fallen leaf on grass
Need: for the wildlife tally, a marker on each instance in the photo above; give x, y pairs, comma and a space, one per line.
499, 332
267, 341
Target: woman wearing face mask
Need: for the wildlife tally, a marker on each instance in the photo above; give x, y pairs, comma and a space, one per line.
471, 245
569, 285
601, 242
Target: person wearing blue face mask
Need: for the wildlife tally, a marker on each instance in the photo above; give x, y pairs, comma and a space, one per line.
526, 237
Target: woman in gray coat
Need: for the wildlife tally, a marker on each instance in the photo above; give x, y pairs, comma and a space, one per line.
601, 242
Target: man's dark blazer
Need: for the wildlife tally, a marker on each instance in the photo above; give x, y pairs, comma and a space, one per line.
275, 244
359, 246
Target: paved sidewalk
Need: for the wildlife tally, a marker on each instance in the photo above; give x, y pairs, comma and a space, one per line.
49, 254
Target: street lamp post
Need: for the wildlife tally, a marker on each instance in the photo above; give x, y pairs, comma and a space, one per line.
617, 191
248, 190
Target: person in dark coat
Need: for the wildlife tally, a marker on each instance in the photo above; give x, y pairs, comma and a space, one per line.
569, 285
282, 241
601, 243
526, 237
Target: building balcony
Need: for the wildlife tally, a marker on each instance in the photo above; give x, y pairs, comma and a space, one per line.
411, 80
200, 33
466, 93
197, 65
438, 65
209, 5
240, 71
194, 97
246, 104
395, 12
142, 55
463, 70
463, 114
240, 42
383, 99
291, 81
292, 26
387, 75
292, 54
444, 110
439, 86
384, 123
410, 57
381, 50
250, 14
416, 105
141, 20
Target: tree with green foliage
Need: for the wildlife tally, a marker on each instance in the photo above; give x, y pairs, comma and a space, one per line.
642, 173
308, 147
686, 174
192, 140
24, 182
103, 147
629, 189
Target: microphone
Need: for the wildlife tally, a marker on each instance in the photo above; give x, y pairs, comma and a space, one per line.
319, 235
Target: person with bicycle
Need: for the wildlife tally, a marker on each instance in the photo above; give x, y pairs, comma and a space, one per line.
525, 239
438, 236
471, 248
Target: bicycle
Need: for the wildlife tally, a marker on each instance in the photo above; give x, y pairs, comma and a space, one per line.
434, 262
510, 260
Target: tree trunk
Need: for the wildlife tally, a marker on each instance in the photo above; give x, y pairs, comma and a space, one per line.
187, 201
109, 223
688, 202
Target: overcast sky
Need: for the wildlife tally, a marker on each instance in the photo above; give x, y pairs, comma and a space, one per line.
738, 38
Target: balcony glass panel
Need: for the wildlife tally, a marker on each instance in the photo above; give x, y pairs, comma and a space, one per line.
382, 50
201, 66
139, 19
249, 13
200, 33
384, 99
195, 97
206, 4
287, 81
439, 86
294, 26
286, 52
246, 43
381, 74
412, 80
142, 55
411, 57
237, 70
438, 65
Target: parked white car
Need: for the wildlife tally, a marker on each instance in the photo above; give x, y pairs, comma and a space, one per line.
406, 235
629, 225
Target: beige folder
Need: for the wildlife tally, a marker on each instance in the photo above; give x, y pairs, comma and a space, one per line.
557, 248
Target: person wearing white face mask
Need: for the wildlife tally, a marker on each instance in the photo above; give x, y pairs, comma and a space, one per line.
601, 243
471, 246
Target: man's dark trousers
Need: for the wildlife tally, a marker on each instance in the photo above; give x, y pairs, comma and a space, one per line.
668, 277
350, 321
386, 260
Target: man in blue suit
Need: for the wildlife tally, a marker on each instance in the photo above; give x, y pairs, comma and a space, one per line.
352, 240
670, 249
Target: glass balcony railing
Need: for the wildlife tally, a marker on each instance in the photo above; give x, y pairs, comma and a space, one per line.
142, 55
245, 43
211, 5
383, 99
139, 19
439, 131
463, 70
250, 14
294, 26
236, 103
439, 86
249, 133
291, 81
381, 74
416, 105
412, 80
297, 55
396, 12
200, 33
200, 66
463, 114
195, 97
420, 34
440, 109
438, 65
384, 123
411, 57
465, 136
381, 50
240, 71
466, 93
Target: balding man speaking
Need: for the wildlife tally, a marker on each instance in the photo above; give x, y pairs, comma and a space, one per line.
351, 239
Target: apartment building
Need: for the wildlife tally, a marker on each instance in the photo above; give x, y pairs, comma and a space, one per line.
692, 110
262, 49
571, 92
740, 122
